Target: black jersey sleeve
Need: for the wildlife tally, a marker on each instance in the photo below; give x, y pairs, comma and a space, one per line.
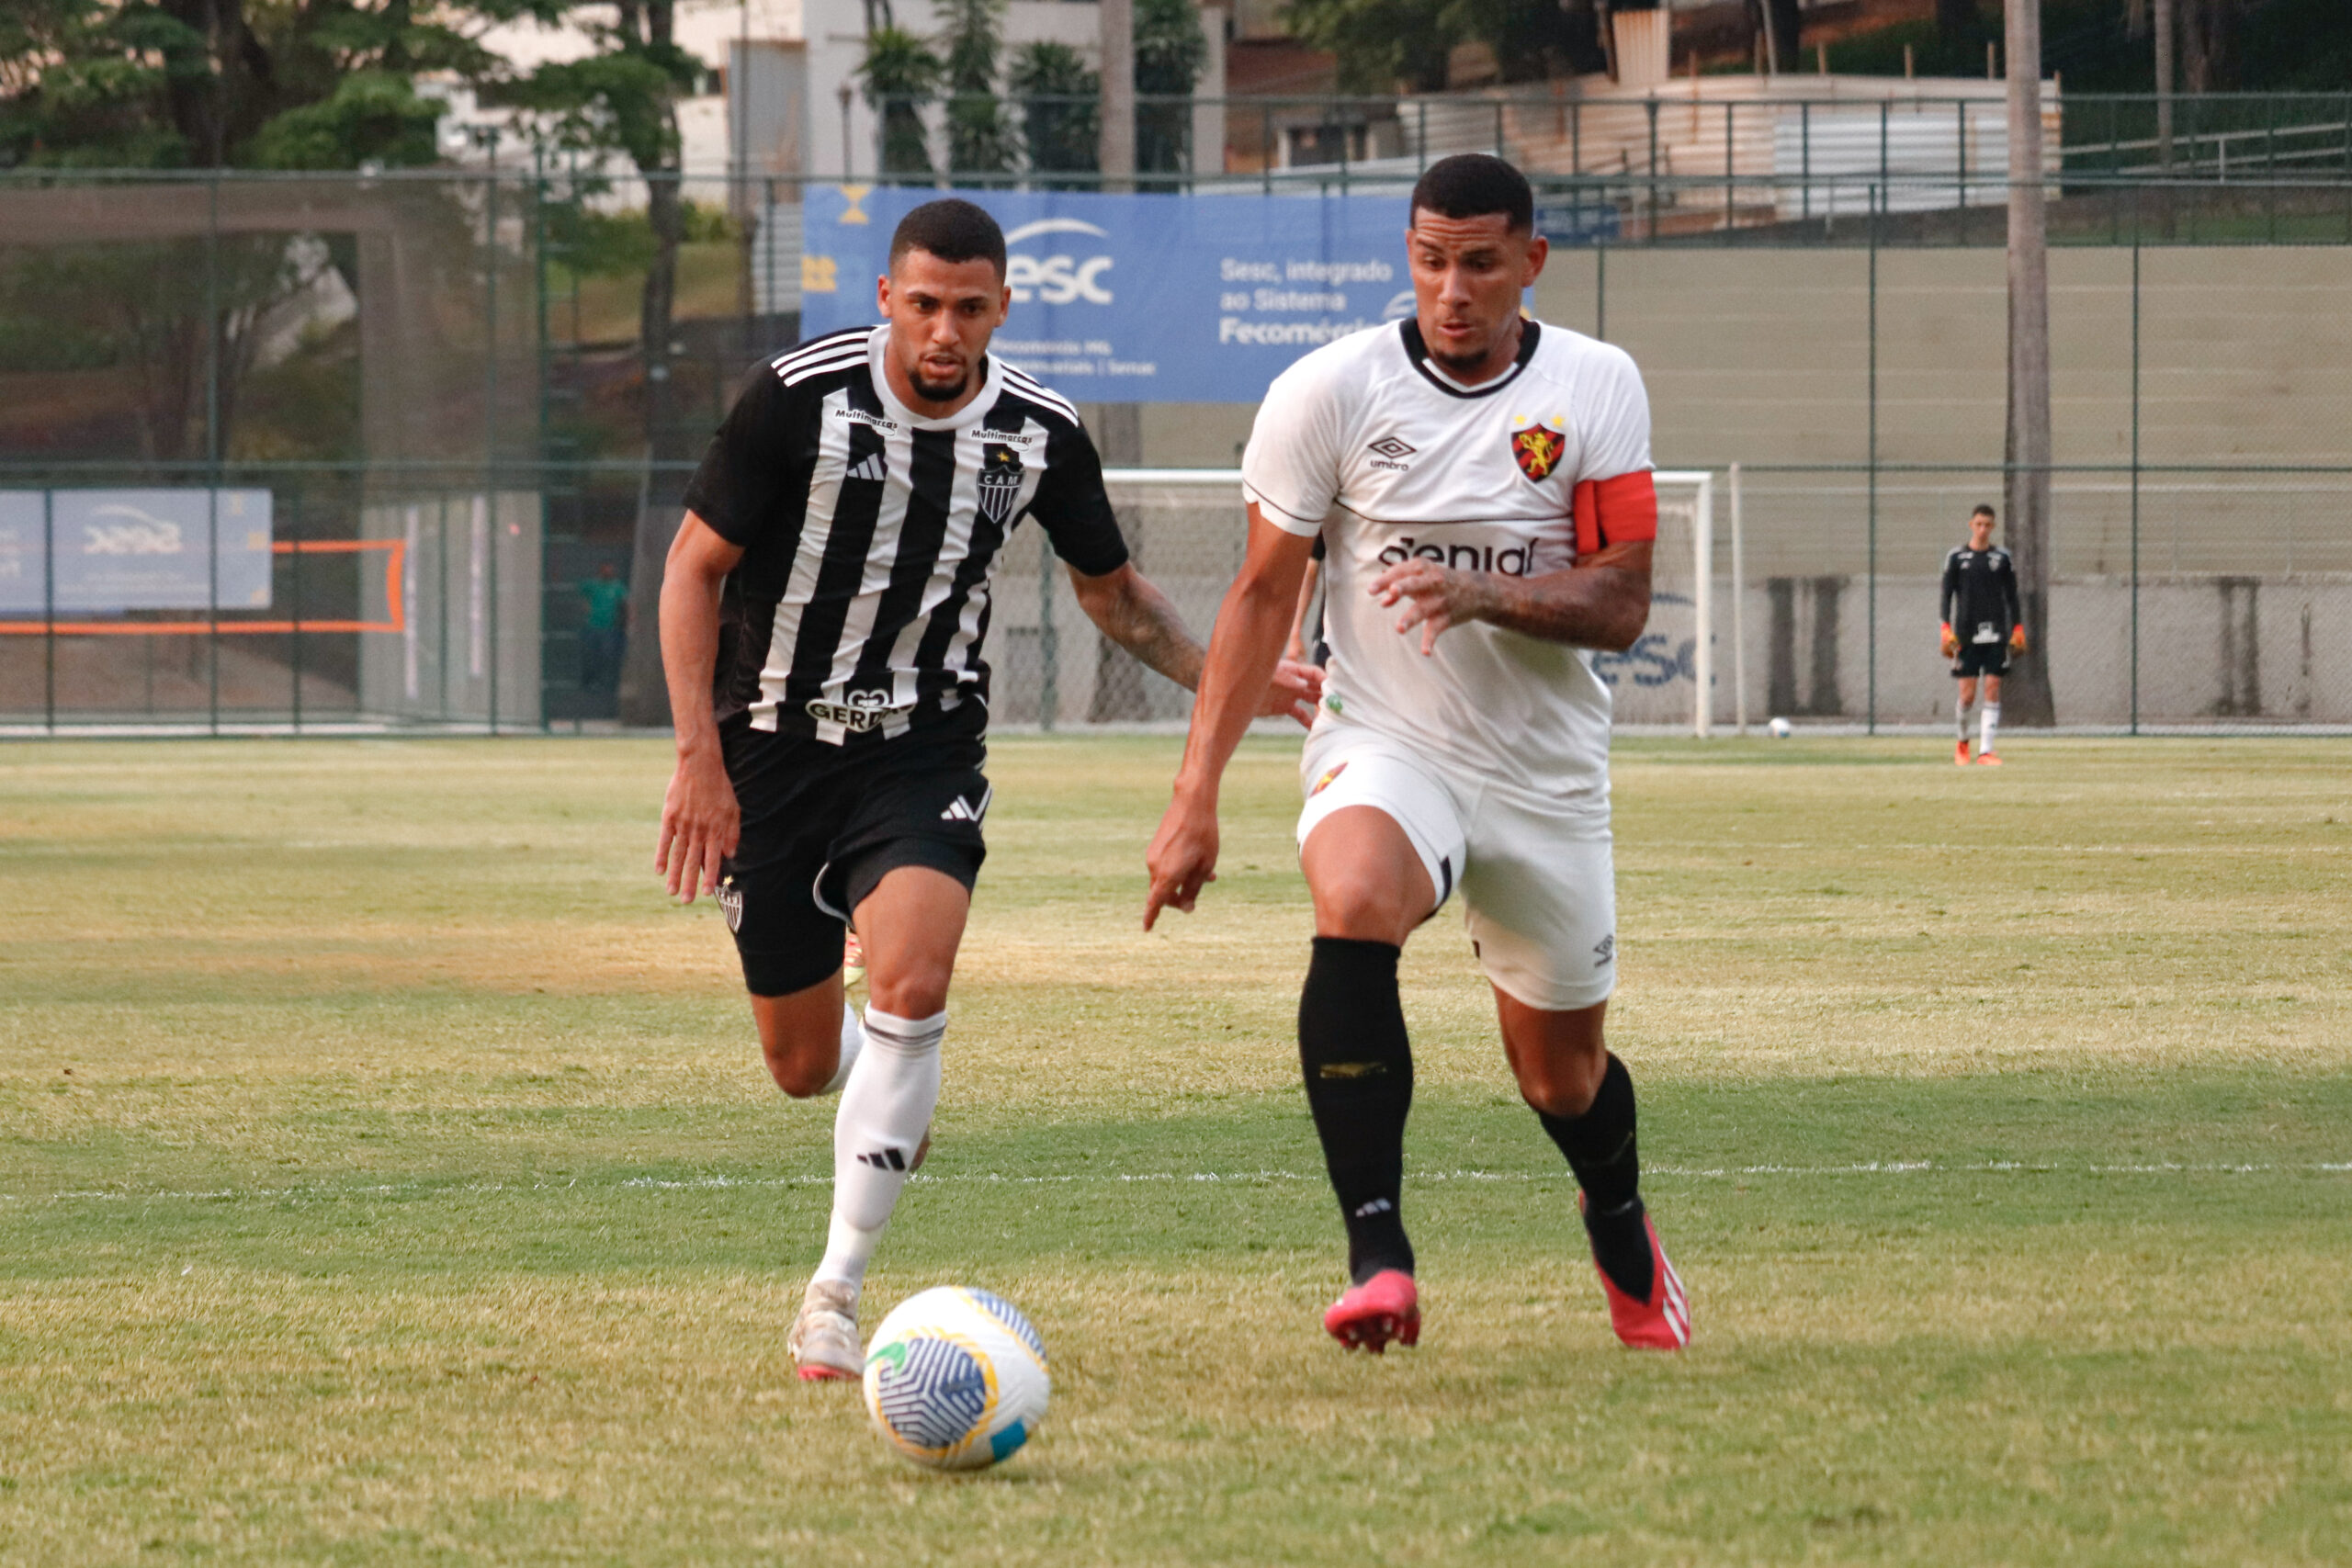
1073, 507
748, 467
1948, 601
2009, 589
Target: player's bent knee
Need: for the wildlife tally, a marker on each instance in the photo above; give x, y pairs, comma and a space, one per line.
800, 1037
1366, 908
914, 989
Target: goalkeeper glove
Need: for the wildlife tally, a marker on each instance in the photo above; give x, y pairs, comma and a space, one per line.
1950, 643
2016, 639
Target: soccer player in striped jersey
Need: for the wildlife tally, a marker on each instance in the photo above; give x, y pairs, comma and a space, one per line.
823, 611
1482, 482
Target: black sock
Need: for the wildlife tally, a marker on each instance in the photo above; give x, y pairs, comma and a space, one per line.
1600, 1149
1359, 1068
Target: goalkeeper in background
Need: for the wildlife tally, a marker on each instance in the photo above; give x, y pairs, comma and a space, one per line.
1982, 628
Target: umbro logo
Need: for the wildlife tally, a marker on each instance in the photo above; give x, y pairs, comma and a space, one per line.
962, 810
873, 468
885, 1159
1390, 447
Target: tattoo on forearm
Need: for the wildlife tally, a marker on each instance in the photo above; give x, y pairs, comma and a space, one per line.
1147, 626
1589, 608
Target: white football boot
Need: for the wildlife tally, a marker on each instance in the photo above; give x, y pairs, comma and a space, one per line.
824, 1340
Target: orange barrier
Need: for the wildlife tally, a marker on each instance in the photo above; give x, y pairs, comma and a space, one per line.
395, 561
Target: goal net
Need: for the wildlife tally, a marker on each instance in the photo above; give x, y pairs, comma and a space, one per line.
1187, 529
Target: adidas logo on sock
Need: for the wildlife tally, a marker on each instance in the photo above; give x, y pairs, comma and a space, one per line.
1377, 1206
885, 1159
874, 468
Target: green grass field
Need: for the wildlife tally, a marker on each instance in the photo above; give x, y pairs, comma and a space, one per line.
387, 1177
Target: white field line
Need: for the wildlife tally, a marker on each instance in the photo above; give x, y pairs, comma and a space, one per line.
1113, 1179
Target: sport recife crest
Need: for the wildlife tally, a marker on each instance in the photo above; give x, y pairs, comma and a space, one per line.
1538, 449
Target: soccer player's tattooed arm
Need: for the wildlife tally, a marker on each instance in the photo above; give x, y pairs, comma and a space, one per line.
700, 819
1601, 602
1245, 648
1138, 617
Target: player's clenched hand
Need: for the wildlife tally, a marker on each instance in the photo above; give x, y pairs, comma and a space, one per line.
1296, 690
1434, 597
2016, 639
700, 825
1181, 860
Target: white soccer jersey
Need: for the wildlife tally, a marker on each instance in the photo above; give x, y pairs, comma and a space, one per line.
1367, 443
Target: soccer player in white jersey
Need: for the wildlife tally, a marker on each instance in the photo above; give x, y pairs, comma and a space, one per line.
1482, 485
823, 612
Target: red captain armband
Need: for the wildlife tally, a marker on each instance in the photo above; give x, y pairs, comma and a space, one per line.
1622, 510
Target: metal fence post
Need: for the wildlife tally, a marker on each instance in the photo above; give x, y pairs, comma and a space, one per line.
1601, 293
1871, 611
490, 415
49, 606
1048, 644
2136, 464
1653, 110
294, 610
212, 453
1738, 607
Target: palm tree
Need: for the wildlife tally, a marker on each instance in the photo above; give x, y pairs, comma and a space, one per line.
1171, 53
901, 75
979, 139
1060, 111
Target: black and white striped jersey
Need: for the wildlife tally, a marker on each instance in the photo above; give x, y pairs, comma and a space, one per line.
870, 535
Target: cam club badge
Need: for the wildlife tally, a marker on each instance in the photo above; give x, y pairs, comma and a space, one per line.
999, 481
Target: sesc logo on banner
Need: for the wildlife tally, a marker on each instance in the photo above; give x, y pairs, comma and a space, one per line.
1143, 298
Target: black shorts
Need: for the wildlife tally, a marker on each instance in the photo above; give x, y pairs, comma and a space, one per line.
1980, 658
821, 824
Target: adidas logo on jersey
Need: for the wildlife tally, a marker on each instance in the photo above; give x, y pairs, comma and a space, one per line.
962, 810
873, 468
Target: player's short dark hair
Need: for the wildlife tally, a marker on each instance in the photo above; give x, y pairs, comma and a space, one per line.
1984, 511
951, 229
1472, 185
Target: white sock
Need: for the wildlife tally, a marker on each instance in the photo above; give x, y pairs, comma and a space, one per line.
885, 1111
1986, 725
1960, 712
853, 1044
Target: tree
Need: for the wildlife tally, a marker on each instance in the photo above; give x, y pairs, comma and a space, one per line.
901, 75
1059, 120
210, 83
1386, 44
980, 138
1171, 53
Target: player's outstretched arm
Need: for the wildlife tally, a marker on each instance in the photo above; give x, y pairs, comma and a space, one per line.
1601, 602
700, 818
1244, 648
1137, 616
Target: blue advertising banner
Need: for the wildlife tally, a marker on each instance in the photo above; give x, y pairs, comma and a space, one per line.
1140, 298
135, 549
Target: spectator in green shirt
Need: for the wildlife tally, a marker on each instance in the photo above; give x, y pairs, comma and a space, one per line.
603, 629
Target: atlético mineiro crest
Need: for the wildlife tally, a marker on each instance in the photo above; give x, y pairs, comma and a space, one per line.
999, 481
1538, 449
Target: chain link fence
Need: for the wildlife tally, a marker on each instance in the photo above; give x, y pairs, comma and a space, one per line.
386, 452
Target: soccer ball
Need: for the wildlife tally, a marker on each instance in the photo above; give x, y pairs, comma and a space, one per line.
956, 1379
1781, 729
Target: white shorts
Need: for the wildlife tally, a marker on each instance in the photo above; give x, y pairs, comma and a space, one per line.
1538, 879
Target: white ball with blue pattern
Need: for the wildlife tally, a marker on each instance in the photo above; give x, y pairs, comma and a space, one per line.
956, 1379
